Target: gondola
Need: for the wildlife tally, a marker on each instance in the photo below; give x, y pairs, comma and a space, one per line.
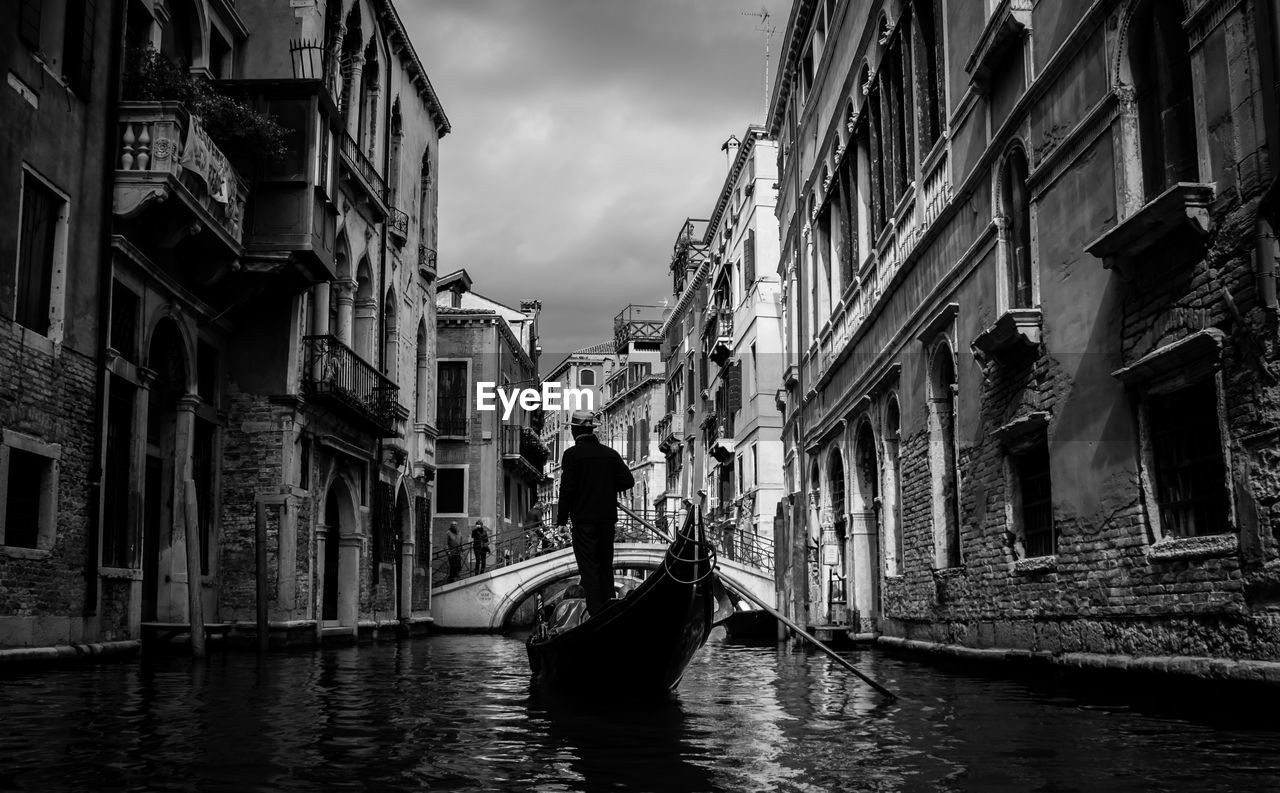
638, 645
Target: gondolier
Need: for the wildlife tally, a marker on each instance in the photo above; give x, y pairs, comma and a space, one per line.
592, 475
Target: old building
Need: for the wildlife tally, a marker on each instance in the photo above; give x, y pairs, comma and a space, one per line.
56, 109
1031, 324
268, 321
489, 453
740, 350
634, 403
583, 370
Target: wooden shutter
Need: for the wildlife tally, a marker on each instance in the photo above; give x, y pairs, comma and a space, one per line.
749, 269
29, 22
77, 60
423, 535
735, 387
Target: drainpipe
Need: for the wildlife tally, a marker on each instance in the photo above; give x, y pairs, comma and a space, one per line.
105, 272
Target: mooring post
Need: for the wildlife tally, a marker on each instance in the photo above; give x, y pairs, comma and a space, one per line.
260, 552
195, 599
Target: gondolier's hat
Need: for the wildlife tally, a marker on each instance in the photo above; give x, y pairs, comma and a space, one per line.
583, 418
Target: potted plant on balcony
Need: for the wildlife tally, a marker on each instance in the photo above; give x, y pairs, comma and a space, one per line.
235, 126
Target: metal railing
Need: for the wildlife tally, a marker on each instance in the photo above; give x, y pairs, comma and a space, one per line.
362, 166
427, 261
335, 372
523, 443
638, 323
398, 221
523, 545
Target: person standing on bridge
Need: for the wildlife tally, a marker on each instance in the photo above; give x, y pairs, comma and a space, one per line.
591, 477
479, 548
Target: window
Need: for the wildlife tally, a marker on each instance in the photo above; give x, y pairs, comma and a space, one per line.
587, 377
304, 462
28, 505
893, 515
451, 399
942, 458
1033, 499
1161, 67
1015, 203
41, 253
61, 31
451, 492
755, 465
124, 320
1188, 461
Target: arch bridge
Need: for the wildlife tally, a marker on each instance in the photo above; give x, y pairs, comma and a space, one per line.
486, 602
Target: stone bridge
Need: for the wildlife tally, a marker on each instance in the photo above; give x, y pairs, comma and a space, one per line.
486, 602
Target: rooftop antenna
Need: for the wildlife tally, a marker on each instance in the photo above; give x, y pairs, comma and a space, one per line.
768, 31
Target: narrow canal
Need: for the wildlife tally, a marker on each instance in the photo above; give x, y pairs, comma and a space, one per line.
455, 713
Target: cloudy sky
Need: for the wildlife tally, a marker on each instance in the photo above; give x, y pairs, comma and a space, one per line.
584, 133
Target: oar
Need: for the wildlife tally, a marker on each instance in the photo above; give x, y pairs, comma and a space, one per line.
743, 593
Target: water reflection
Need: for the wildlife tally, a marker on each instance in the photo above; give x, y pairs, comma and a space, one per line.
457, 713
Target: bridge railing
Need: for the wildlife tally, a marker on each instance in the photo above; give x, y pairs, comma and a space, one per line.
526, 544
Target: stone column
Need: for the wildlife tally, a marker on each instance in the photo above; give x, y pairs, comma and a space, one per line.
186, 539
346, 302
316, 604
320, 310
366, 329
137, 475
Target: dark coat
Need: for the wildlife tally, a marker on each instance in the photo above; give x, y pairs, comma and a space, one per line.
591, 476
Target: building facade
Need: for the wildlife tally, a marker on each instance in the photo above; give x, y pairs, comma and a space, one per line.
57, 104
267, 311
634, 401
1031, 324
489, 464
584, 370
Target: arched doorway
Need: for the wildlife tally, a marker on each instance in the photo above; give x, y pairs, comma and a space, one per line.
836, 537
165, 467
404, 557
864, 529
339, 552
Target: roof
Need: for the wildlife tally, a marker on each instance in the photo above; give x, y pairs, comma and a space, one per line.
603, 348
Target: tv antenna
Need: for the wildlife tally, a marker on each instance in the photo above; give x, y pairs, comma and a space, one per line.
768, 31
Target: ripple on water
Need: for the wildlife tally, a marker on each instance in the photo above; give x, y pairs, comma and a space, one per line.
456, 713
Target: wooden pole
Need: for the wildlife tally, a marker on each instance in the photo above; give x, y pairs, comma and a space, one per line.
260, 551
195, 600
743, 593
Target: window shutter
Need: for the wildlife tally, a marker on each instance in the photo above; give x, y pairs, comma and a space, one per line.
735, 387
424, 530
77, 62
384, 538
749, 271
29, 22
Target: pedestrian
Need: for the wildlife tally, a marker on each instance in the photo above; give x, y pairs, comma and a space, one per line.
453, 546
479, 547
591, 477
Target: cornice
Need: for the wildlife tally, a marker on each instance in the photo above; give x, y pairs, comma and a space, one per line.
418, 74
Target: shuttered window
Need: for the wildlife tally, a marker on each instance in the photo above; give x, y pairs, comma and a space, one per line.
40, 211
29, 12
77, 46
749, 271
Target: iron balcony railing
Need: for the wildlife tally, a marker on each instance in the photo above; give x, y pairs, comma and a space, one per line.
365, 169
427, 262
336, 374
527, 543
398, 221
521, 443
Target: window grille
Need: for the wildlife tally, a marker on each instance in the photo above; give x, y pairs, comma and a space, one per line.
1190, 470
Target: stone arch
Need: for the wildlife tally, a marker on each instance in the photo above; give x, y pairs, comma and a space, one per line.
1012, 206
366, 312
390, 336
423, 372
186, 30
943, 471
891, 498
170, 342
339, 539
865, 526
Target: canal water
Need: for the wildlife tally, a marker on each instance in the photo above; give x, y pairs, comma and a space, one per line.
456, 713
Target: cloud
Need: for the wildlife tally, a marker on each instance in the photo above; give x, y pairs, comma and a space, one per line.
584, 133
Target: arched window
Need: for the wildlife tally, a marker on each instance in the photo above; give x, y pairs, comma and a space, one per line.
1161, 69
587, 377
366, 312
421, 401
893, 489
391, 334
942, 458
369, 88
397, 136
836, 579
927, 44
352, 59
1015, 206
424, 196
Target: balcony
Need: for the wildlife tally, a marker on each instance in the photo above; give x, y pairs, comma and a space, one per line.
427, 263
364, 174
164, 154
336, 376
1010, 21
398, 225
641, 325
668, 429
522, 452
720, 335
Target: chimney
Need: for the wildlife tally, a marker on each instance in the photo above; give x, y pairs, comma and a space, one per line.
531, 309
730, 149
